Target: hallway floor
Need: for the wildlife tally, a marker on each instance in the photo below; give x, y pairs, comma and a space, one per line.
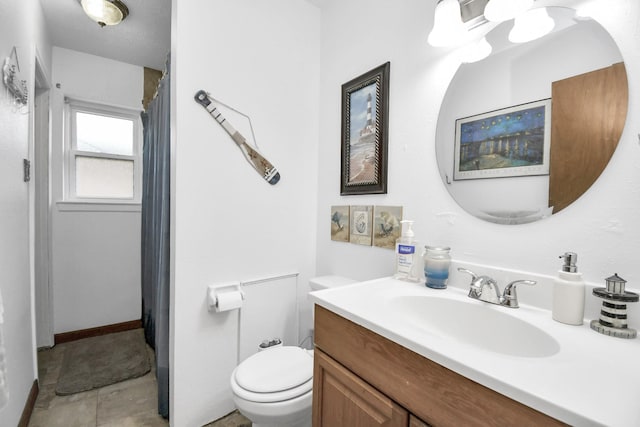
131, 403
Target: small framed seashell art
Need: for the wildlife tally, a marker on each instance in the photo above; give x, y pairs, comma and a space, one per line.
366, 225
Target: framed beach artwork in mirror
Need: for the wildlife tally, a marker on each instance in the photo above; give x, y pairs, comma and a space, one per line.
510, 142
365, 108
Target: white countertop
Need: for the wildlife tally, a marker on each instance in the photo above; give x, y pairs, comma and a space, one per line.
593, 380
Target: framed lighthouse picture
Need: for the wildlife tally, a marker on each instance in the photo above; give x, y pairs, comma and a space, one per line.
365, 111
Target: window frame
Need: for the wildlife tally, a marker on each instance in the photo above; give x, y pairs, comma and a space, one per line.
74, 106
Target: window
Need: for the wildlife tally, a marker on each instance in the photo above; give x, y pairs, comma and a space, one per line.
103, 156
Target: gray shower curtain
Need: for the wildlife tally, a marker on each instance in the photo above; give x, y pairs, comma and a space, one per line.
155, 235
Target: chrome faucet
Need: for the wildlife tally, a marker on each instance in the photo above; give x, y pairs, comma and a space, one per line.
484, 288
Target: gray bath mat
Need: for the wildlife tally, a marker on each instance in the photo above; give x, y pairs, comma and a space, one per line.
98, 361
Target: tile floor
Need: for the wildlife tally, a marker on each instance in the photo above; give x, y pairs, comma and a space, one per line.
131, 403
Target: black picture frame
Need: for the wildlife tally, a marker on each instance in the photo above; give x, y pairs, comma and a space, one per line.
365, 118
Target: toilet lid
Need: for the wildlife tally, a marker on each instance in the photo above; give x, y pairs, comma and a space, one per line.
275, 370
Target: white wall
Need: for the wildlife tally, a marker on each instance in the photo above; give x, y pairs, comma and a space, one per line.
21, 25
227, 222
95, 249
601, 226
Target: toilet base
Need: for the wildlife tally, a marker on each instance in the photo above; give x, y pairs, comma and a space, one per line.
291, 413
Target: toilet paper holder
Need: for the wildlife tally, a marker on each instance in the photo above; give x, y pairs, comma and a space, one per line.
218, 292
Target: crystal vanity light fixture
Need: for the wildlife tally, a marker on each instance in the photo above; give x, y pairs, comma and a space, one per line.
105, 12
464, 23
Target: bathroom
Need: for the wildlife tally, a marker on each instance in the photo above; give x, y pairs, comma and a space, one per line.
286, 72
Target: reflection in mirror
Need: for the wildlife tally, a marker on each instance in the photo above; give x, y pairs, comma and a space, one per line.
586, 118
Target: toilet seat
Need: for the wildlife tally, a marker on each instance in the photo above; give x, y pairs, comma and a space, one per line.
274, 375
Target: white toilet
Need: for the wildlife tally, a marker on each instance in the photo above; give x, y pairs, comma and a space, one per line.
273, 388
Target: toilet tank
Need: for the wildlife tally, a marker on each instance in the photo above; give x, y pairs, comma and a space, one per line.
326, 282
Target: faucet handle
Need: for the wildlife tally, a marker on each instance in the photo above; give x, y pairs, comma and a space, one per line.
475, 288
474, 276
509, 295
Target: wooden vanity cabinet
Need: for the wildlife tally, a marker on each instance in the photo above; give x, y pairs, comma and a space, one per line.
363, 379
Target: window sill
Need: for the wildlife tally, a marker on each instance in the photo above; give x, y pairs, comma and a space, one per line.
97, 206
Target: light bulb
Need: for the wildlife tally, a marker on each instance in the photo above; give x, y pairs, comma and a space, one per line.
477, 51
447, 24
531, 25
503, 10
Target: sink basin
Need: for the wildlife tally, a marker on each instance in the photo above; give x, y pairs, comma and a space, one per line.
478, 324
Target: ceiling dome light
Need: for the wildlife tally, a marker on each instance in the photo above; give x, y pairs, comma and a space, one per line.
503, 10
447, 24
531, 25
105, 12
477, 51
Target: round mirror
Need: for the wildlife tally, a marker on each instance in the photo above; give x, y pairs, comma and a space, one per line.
526, 131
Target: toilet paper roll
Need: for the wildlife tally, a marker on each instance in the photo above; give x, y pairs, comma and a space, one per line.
226, 301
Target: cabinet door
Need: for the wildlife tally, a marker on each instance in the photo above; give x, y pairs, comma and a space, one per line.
341, 399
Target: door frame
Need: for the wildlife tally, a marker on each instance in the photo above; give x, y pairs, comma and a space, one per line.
40, 206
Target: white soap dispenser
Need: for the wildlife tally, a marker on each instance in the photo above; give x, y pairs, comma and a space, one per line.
568, 292
407, 256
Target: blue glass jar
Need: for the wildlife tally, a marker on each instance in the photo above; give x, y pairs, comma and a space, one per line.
436, 266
